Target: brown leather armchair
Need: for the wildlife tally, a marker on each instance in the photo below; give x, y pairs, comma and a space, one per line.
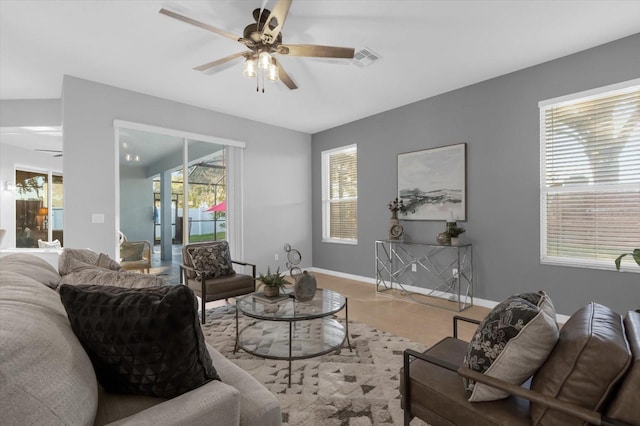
431, 382
208, 287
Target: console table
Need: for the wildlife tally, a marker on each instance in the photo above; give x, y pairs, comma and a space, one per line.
429, 273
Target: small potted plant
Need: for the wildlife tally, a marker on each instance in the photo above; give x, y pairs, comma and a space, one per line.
272, 282
454, 232
636, 257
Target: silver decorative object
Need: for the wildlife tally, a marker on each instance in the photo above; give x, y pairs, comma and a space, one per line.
293, 260
395, 229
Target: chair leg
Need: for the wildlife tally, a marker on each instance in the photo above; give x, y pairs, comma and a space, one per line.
204, 301
407, 418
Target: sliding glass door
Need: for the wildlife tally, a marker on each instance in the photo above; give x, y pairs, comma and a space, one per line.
39, 208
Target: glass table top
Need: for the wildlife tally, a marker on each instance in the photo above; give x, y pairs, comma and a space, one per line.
325, 303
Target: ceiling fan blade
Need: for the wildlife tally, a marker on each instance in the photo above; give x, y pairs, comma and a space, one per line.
277, 17
284, 77
314, 50
199, 24
208, 65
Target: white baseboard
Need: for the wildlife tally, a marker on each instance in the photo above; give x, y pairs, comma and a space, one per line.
485, 303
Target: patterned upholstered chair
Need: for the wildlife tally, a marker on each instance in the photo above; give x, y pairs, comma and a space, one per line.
207, 269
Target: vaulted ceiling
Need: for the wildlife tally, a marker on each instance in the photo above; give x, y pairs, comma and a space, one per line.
425, 48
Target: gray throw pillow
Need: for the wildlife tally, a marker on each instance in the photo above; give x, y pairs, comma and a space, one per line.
511, 343
141, 341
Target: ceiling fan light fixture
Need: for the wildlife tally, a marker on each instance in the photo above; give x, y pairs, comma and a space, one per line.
273, 73
264, 60
250, 69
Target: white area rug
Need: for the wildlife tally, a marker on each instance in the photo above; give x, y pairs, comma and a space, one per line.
341, 388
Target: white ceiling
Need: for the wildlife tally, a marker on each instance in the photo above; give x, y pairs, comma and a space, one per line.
427, 48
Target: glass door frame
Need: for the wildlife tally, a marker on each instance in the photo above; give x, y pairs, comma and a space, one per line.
235, 168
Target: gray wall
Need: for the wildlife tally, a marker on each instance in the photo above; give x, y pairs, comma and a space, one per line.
136, 202
499, 121
30, 112
277, 180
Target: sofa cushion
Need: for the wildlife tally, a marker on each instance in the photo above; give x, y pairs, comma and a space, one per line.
46, 377
511, 343
96, 275
104, 261
624, 406
214, 258
591, 356
141, 341
66, 259
31, 266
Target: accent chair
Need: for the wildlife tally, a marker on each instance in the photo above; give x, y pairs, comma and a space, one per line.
207, 269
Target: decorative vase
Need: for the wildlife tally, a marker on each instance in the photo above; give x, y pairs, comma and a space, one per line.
443, 238
271, 291
305, 288
455, 241
395, 229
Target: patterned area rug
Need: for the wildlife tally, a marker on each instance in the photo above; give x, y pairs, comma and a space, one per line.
343, 388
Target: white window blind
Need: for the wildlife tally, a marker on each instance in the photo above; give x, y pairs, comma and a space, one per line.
340, 194
590, 179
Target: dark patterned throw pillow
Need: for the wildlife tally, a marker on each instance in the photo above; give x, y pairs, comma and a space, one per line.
213, 258
144, 341
511, 343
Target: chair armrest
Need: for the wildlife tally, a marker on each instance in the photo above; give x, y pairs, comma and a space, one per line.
427, 358
407, 354
184, 268
457, 318
212, 403
183, 272
253, 267
574, 410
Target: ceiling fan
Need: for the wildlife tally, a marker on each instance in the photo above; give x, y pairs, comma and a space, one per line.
57, 151
263, 39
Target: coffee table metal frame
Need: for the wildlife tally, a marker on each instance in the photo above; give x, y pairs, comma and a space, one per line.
293, 312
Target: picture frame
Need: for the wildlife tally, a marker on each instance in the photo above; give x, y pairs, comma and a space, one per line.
432, 183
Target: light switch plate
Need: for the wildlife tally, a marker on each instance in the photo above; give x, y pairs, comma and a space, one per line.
97, 218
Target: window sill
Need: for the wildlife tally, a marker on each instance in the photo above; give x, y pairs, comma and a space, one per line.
585, 264
334, 241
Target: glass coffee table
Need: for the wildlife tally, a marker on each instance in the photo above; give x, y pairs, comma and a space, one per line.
291, 330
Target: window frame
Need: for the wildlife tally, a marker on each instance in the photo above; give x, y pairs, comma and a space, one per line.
583, 262
326, 202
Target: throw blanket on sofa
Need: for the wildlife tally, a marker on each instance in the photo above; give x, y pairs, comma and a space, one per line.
84, 266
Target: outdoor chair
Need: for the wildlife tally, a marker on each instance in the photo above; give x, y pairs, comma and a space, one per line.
135, 255
207, 269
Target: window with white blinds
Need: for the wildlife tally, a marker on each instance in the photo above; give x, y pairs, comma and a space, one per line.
340, 195
590, 177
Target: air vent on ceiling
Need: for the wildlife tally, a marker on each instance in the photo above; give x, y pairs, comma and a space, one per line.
365, 57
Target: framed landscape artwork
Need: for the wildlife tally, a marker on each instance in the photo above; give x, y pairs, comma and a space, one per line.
432, 183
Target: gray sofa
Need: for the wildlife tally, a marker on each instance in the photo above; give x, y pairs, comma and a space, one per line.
47, 378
